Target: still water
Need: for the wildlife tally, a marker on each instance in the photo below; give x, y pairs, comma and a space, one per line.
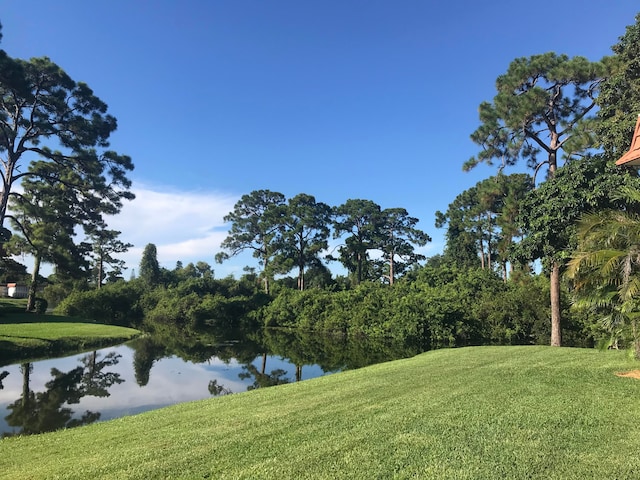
147, 374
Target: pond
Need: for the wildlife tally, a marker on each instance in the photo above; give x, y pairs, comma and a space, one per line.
154, 372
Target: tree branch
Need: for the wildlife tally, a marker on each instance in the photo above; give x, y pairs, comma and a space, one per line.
577, 119
536, 170
532, 135
22, 229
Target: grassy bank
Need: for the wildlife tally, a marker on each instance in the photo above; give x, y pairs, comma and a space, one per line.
482, 412
29, 336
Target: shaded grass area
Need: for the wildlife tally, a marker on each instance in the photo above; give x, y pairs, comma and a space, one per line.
27, 336
480, 412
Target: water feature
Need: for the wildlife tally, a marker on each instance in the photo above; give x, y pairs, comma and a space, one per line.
152, 372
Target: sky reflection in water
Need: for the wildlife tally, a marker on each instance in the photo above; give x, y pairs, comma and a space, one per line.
171, 380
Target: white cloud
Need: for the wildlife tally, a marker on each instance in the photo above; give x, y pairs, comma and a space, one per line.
183, 226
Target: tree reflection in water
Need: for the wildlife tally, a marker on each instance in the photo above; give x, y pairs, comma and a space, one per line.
214, 363
216, 389
37, 412
262, 379
148, 350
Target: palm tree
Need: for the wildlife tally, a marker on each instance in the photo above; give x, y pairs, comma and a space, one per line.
605, 268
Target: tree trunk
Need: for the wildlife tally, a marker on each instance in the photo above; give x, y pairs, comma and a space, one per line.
636, 340
489, 230
92, 363
301, 263
100, 267
26, 374
300, 278
556, 335
391, 254
265, 262
6, 186
31, 299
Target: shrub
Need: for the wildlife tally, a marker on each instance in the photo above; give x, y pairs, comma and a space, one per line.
40, 305
114, 304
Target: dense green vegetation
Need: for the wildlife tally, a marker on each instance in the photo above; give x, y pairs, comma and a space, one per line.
434, 306
507, 412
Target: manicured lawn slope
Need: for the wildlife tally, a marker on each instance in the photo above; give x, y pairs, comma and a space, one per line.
482, 412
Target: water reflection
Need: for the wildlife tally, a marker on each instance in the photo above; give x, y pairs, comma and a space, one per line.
262, 379
50, 409
155, 371
216, 390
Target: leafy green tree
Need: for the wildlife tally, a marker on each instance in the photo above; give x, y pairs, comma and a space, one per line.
105, 244
481, 221
190, 271
59, 130
471, 221
549, 213
204, 269
541, 103
255, 221
605, 268
516, 315
514, 189
397, 239
149, 267
39, 105
45, 217
619, 98
461, 237
10, 270
489, 196
361, 219
318, 276
303, 234
182, 273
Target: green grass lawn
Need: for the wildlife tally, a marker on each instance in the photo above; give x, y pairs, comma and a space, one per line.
30, 336
472, 413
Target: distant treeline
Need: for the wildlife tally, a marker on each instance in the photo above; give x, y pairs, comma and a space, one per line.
437, 306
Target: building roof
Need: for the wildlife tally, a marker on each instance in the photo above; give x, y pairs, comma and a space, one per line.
632, 157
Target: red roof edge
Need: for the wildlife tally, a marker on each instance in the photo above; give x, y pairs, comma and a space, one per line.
632, 157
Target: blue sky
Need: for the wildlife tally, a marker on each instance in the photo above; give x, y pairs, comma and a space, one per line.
338, 99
